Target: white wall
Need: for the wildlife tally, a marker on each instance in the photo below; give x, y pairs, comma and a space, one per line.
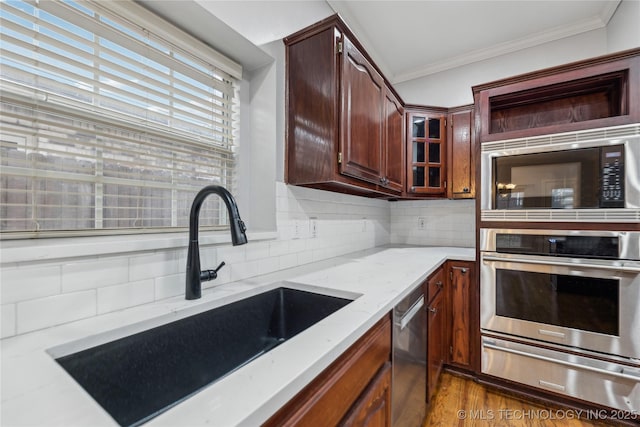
623, 30
452, 88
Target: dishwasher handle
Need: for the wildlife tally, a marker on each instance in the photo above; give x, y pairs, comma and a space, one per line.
415, 308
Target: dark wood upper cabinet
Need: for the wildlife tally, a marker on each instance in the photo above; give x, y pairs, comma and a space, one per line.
362, 111
344, 121
395, 147
461, 167
426, 151
599, 92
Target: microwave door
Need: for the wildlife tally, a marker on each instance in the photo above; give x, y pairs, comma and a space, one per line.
557, 180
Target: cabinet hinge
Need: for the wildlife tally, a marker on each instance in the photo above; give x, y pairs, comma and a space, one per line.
445, 122
451, 350
445, 184
339, 47
340, 158
451, 274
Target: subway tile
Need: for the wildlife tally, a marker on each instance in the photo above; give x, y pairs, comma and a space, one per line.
244, 270
81, 275
8, 318
117, 297
278, 248
231, 254
269, 265
28, 282
152, 265
258, 250
169, 286
55, 310
288, 261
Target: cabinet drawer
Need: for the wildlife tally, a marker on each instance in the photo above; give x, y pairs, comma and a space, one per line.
435, 283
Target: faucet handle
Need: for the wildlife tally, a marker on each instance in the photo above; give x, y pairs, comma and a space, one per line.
206, 275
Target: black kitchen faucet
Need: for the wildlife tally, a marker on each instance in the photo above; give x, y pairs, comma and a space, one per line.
238, 237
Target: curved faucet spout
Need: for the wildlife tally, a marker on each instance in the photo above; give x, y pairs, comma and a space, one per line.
238, 237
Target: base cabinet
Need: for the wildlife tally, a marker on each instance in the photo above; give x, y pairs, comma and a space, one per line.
373, 408
354, 390
461, 286
436, 329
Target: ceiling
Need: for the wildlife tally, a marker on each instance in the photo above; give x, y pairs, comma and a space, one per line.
411, 39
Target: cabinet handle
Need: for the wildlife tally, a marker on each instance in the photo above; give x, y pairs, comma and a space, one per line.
439, 284
433, 310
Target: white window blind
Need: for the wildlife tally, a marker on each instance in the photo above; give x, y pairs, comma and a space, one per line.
111, 120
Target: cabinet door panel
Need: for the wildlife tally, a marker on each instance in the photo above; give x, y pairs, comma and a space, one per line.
362, 107
373, 408
460, 292
395, 144
462, 182
426, 152
436, 342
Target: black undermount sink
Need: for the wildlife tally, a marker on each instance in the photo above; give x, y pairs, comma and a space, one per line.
137, 377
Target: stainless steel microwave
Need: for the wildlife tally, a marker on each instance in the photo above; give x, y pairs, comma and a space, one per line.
589, 175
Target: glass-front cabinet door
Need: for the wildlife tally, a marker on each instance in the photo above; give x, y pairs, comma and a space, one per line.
426, 153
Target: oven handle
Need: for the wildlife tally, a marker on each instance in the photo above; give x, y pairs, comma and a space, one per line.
622, 375
562, 263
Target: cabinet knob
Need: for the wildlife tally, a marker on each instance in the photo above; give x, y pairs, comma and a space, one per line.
433, 310
465, 190
439, 284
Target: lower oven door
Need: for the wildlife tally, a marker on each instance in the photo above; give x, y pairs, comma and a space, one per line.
580, 303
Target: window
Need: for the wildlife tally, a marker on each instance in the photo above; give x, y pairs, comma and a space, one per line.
110, 120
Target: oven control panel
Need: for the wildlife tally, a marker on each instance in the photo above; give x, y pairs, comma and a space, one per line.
612, 176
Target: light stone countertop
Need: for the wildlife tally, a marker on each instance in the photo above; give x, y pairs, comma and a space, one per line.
37, 391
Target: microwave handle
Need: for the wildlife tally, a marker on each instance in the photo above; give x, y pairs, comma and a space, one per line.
563, 263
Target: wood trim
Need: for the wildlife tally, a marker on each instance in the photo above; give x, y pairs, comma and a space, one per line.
327, 399
626, 54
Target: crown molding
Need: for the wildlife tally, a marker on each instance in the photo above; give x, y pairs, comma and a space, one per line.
478, 55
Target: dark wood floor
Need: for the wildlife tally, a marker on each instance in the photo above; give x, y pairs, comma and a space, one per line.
462, 402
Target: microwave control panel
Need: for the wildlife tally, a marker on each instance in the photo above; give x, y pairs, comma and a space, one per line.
612, 175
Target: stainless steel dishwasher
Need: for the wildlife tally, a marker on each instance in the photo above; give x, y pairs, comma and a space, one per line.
409, 372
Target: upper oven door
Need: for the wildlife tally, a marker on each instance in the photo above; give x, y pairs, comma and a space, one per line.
588, 304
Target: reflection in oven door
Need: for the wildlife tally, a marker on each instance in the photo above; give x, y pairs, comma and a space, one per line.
584, 304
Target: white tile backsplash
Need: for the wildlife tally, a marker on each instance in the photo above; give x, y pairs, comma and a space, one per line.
39, 295
112, 298
28, 282
82, 275
55, 310
446, 222
8, 319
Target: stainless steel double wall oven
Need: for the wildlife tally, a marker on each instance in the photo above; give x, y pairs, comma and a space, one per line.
560, 308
